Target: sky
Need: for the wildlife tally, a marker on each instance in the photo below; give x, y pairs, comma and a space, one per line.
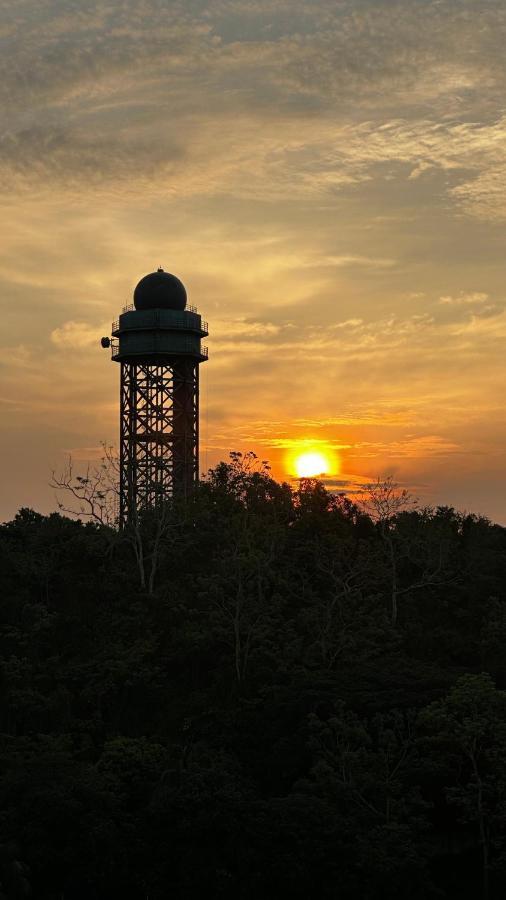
328, 179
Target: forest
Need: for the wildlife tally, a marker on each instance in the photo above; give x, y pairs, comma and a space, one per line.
257, 693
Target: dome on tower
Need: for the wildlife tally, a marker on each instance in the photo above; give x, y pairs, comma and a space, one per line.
160, 290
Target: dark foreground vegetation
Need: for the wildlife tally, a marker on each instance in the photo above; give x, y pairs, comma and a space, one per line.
261, 694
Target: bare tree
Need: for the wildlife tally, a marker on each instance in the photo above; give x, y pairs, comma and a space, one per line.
148, 534
386, 503
384, 499
94, 495
382, 502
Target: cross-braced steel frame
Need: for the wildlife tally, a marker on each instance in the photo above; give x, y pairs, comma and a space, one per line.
159, 444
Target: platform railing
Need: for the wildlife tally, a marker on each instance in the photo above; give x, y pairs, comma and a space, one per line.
186, 348
131, 306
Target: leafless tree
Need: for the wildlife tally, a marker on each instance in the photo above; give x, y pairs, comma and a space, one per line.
94, 495
384, 499
384, 502
148, 534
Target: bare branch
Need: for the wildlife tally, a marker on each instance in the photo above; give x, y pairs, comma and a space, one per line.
94, 494
384, 499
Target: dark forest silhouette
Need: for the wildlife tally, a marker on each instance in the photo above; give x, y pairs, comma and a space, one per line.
259, 693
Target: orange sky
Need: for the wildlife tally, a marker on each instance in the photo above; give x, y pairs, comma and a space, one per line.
328, 180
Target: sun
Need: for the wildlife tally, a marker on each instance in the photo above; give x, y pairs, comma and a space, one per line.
311, 464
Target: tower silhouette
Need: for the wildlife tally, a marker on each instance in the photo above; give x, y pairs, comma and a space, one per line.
157, 341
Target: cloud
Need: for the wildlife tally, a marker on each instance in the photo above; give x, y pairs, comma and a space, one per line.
354, 485
244, 328
280, 436
392, 347
383, 413
473, 299
78, 335
348, 323
19, 356
85, 454
416, 447
112, 98
342, 261
271, 162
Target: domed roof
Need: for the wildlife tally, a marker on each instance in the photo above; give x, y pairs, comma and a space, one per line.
160, 290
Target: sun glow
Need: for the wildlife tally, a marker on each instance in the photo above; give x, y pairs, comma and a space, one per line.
312, 464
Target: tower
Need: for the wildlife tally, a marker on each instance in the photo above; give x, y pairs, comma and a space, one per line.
157, 341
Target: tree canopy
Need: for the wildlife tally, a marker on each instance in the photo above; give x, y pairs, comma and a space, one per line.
261, 692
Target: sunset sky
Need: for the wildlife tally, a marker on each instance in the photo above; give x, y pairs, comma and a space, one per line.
328, 179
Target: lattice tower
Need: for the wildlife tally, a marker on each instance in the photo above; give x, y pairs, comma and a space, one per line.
157, 342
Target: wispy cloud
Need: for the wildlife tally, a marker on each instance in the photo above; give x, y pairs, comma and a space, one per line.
473, 299
101, 91
78, 335
413, 447
342, 261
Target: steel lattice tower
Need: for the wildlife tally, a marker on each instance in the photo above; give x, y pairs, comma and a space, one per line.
157, 342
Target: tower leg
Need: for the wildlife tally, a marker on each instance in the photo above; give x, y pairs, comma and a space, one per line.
184, 426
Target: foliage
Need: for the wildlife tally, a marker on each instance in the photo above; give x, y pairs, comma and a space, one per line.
221, 702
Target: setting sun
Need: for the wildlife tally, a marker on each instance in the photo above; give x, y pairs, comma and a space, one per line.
309, 465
